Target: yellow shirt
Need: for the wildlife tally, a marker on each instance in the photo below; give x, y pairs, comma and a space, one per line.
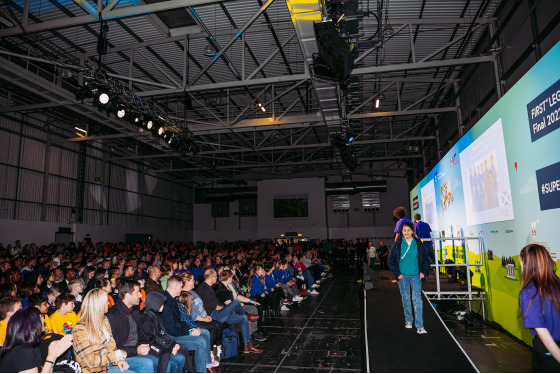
3, 328
62, 324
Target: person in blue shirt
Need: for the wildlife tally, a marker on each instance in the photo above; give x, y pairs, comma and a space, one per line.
273, 287
258, 290
423, 231
197, 271
409, 262
400, 214
539, 301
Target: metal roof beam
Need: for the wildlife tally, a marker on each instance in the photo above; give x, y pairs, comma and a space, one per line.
421, 65
433, 21
107, 15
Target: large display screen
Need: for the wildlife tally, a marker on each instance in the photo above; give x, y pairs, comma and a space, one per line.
501, 183
486, 179
291, 206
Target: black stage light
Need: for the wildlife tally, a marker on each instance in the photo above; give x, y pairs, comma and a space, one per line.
85, 92
121, 110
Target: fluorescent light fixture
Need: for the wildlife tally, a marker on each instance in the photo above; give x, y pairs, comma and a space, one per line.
377, 101
79, 129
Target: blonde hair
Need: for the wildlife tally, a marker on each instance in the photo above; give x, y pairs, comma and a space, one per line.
186, 298
94, 307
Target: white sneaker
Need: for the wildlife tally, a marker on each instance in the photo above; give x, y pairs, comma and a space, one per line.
297, 298
313, 292
284, 307
421, 331
315, 286
408, 325
323, 274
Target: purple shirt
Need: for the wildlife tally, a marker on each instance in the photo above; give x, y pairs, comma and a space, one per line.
422, 230
398, 227
536, 315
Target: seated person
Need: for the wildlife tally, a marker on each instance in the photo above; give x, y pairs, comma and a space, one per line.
8, 306
63, 320
197, 340
21, 352
230, 313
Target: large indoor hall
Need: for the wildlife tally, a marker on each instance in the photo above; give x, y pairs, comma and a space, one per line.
258, 186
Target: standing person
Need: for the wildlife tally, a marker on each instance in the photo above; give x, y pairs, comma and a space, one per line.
382, 255
539, 301
409, 263
94, 346
424, 231
372, 255
400, 214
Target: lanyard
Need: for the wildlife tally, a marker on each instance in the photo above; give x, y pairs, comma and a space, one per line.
406, 250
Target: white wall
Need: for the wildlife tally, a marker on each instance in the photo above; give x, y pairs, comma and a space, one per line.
356, 224
44, 232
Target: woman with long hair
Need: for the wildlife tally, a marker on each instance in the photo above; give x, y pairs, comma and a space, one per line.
94, 346
539, 301
20, 351
193, 305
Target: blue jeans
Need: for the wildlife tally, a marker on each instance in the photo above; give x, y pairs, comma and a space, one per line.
234, 313
115, 369
308, 279
198, 345
404, 285
141, 364
175, 365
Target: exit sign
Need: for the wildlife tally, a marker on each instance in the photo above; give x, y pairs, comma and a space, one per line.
412, 148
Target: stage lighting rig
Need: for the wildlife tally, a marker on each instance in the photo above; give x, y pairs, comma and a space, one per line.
113, 97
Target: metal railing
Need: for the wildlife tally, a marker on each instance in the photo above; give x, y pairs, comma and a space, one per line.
467, 295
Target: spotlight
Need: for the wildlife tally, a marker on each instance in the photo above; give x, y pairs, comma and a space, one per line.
103, 98
121, 110
160, 131
388, 30
261, 107
138, 119
209, 50
150, 124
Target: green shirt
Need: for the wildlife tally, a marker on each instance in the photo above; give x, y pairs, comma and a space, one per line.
408, 264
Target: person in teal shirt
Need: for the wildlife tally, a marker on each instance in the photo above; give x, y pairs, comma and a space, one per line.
409, 262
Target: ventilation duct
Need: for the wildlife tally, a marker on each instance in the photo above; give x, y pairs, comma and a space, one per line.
351, 188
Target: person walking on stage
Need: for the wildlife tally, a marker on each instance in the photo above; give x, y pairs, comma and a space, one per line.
409, 262
400, 214
423, 231
382, 254
539, 301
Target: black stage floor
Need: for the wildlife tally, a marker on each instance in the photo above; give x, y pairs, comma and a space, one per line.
392, 348
308, 337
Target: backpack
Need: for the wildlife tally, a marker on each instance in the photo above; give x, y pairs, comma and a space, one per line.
229, 343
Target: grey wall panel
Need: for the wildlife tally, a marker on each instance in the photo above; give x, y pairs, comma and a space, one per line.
7, 209
30, 187
59, 214
9, 181
10, 125
62, 191
94, 169
9, 149
95, 196
28, 211
32, 154
118, 177
63, 162
94, 217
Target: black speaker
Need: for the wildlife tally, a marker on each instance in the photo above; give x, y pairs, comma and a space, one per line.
336, 53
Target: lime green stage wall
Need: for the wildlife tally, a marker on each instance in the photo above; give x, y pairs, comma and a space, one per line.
501, 182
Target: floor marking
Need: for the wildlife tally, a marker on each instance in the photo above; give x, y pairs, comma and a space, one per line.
365, 332
444, 325
308, 320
